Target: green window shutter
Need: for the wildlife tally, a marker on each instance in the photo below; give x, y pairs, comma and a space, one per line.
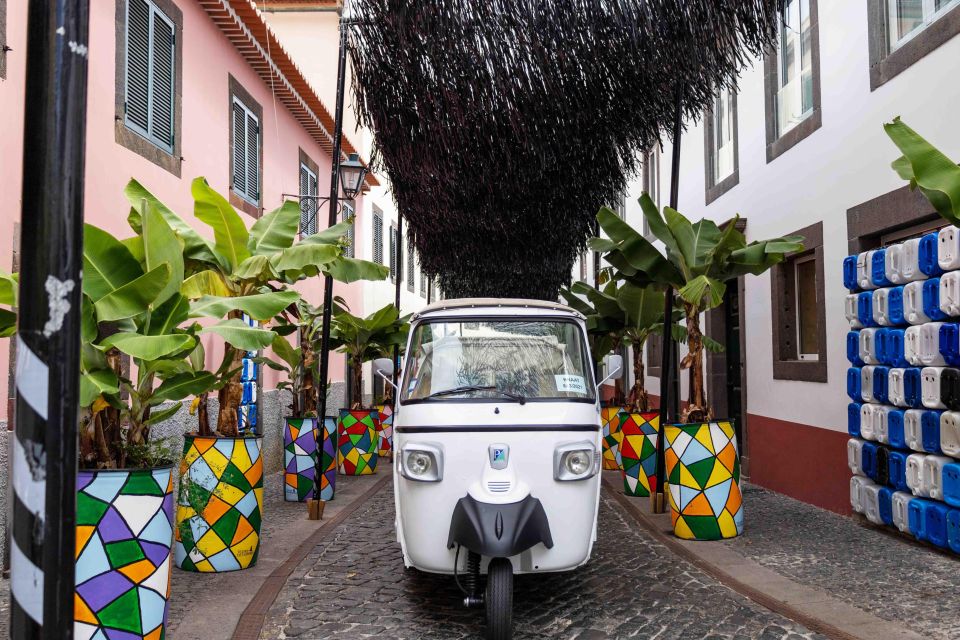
239, 148
253, 158
377, 238
162, 82
137, 98
306, 206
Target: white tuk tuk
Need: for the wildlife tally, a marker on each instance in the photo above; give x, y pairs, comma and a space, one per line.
497, 439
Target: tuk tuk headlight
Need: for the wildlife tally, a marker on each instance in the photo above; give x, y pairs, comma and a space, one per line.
421, 463
575, 461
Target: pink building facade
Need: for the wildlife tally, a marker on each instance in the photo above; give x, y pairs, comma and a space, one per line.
221, 55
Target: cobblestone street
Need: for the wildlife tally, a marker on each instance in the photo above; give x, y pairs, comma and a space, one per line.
355, 585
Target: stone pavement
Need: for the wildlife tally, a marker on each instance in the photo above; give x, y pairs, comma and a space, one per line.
354, 585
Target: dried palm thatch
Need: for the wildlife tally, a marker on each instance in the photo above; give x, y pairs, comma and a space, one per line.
505, 124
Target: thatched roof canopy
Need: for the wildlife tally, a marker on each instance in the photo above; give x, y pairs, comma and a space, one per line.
505, 124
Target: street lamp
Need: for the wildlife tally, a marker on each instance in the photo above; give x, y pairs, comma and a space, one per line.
352, 173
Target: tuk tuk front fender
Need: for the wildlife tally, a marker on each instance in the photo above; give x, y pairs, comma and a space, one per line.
499, 530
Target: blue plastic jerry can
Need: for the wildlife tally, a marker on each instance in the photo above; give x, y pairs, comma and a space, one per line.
878, 268
951, 483
928, 255
911, 387
853, 383
249, 371
931, 300
869, 459
895, 342
895, 306
949, 343
953, 530
249, 393
917, 515
895, 433
881, 379
935, 527
885, 499
930, 431
897, 470
853, 348
850, 273
853, 419
880, 340
865, 309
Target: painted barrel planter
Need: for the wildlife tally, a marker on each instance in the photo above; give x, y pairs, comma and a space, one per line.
220, 504
124, 535
610, 423
357, 441
385, 435
299, 458
703, 471
328, 459
637, 452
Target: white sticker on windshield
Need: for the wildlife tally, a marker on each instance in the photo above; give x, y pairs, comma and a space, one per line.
572, 384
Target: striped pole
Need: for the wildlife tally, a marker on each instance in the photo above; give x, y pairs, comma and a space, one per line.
44, 459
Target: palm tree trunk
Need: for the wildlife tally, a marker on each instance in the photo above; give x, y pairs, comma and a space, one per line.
228, 420
308, 388
203, 416
697, 409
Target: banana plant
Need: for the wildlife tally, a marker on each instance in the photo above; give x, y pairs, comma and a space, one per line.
365, 339
699, 259
9, 285
927, 168
248, 271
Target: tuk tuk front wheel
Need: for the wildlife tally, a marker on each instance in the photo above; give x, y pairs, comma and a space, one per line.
499, 599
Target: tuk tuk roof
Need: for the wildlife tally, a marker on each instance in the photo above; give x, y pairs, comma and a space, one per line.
497, 304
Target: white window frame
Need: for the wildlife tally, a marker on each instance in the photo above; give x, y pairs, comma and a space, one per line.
807, 357
309, 227
794, 88
347, 212
252, 198
723, 135
930, 14
149, 133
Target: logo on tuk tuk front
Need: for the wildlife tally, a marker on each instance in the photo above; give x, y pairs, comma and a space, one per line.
499, 456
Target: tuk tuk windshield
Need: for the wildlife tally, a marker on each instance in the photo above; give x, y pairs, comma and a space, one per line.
494, 359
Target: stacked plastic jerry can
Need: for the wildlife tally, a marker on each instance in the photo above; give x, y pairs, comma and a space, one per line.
248, 376
903, 308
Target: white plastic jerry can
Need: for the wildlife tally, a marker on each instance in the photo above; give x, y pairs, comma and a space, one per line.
855, 456
909, 265
913, 428
870, 501
929, 387
896, 393
950, 433
881, 414
950, 293
930, 355
931, 479
868, 346
881, 307
911, 345
901, 507
948, 248
913, 303
850, 311
856, 485
915, 474
865, 270
867, 424
893, 261
866, 384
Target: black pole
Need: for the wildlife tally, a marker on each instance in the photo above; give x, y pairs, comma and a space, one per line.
332, 220
399, 282
48, 343
669, 381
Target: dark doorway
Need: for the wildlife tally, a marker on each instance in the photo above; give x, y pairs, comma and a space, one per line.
727, 371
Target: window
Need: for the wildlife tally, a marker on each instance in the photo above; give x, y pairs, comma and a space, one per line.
720, 139
411, 262
423, 283
792, 78
799, 312
148, 80
377, 235
246, 153
308, 201
393, 253
583, 266
904, 31
348, 213
651, 179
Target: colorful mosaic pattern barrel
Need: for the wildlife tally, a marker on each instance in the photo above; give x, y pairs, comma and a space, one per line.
124, 534
299, 458
637, 452
385, 439
703, 471
219, 504
610, 422
328, 459
357, 442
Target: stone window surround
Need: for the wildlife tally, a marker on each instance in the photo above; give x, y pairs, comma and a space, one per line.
885, 64
895, 210
778, 145
714, 190
122, 134
786, 365
236, 90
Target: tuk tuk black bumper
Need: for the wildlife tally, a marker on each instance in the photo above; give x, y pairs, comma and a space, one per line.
499, 530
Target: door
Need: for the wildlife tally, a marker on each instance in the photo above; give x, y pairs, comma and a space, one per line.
726, 371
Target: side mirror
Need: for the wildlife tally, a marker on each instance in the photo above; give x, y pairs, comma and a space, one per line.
612, 364
383, 367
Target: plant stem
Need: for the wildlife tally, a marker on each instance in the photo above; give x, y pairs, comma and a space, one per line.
697, 409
